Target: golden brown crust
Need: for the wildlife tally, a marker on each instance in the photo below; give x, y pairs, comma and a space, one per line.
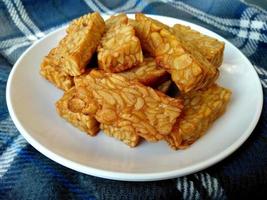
123, 103
201, 109
77, 48
125, 134
52, 71
147, 73
115, 20
119, 98
211, 48
188, 68
119, 49
68, 107
74, 51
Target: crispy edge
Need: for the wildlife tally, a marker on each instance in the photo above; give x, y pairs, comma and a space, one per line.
116, 56
115, 20
114, 97
147, 73
80, 43
211, 48
189, 70
123, 134
51, 70
201, 109
82, 121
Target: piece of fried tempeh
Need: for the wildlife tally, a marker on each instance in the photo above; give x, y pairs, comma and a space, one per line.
148, 73
201, 109
188, 68
76, 49
79, 45
68, 107
211, 48
115, 20
123, 134
52, 71
129, 104
119, 49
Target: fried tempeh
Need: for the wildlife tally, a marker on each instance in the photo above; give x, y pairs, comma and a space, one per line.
68, 107
188, 68
211, 48
125, 134
119, 48
201, 109
52, 71
148, 73
129, 104
83, 37
115, 20
75, 50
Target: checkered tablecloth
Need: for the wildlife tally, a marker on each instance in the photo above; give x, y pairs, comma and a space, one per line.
27, 174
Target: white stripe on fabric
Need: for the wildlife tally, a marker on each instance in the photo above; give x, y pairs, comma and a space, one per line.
211, 184
264, 72
264, 83
27, 19
10, 42
257, 70
15, 47
10, 45
191, 191
17, 21
10, 153
7, 126
255, 6
261, 70
105, 10
187, 189
140, 7
182, 185
205, 182
92, 5
125, 7
257, 24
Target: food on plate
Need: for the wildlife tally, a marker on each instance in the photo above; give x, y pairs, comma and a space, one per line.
148, 73
81, 41
115, 20
52, 71
137, 79
124, 133
75, 50
211, 48
122, 102
119, 48
201, 109
188, 68
68, 107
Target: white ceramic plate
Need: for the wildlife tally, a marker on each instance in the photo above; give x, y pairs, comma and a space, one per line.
31, 100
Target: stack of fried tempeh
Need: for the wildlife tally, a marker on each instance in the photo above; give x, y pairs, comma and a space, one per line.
138, 60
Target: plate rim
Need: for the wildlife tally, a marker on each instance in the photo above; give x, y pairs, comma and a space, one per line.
127, 176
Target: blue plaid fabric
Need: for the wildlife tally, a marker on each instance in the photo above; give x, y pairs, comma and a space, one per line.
26, 174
